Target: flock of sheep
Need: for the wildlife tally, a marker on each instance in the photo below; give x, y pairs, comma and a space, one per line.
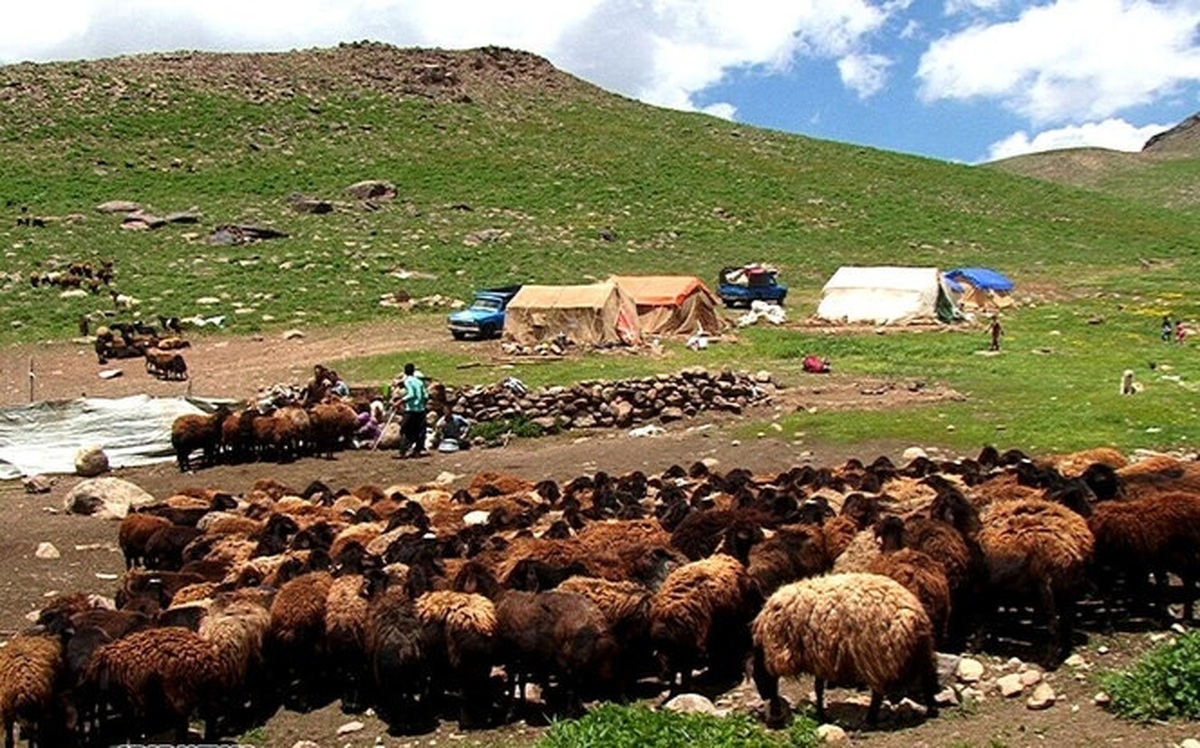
424, 603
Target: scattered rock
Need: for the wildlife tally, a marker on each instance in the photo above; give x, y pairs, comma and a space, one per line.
39, 483
947, 666
118, 206
350, 727
1043, 697
310, 205
1010, 685
690, 703
947, 697
1190, 743
47, 551
293, 334
305, 744
91, 461
372, 189
1030, 678
107, 497
832, 734
913, 453
969, 670
1076, 661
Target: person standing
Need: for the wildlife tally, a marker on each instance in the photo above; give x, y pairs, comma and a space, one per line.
1166, 329
997, 331
412, 400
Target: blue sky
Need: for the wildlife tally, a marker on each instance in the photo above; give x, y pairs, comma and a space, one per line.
956, 80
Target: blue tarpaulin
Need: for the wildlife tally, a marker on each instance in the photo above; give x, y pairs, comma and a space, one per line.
984, 279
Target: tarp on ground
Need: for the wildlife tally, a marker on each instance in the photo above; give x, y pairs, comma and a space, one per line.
886, 296
43, 437
673, 304
980, 288
593, 314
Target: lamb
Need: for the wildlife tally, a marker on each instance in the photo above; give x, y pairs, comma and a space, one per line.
844, 629
333, 424
237, 624
1040, 547
191, 432
702, 610
31, 670
794, 552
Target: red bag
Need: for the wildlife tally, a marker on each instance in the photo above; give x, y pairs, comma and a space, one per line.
814, 364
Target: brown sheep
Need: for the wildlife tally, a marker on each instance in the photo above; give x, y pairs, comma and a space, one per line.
134, 532
626, 607
466, 629
160, 673
31, 670
1035, 547
794, 552
1157, 535
296, 637
191, 432
920, 574
166, 364
333, 425
844, 629
701, 612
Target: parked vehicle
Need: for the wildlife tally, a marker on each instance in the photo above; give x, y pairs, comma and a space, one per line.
739, 286
485, 317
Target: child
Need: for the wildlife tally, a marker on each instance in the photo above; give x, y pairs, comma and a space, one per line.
1180, 332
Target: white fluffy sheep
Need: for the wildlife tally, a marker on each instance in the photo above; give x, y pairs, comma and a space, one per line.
847, 629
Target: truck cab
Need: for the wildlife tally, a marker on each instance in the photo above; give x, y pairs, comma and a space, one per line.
740, 286
485, 317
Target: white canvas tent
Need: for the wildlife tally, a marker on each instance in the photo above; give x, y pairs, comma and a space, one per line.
887, 296
43, 437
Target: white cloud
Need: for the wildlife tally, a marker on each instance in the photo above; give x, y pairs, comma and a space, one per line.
1070, 60
956, 7
865, 74
721, 109
1114, 134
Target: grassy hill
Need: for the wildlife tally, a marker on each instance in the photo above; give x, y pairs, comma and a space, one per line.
509, 170
1166, 172
490, 141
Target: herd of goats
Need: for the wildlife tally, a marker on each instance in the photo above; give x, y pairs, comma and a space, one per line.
426, 603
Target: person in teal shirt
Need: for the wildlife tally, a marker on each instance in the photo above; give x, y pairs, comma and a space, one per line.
414, 401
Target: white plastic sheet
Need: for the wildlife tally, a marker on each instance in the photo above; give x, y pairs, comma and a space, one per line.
44, 437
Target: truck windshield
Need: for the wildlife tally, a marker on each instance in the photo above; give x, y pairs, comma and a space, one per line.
488, 305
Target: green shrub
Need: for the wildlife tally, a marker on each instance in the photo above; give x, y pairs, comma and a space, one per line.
1165, 683
492, 431
639, 726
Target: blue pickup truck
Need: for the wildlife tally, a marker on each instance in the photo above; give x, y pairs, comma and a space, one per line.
485, 317
739, 286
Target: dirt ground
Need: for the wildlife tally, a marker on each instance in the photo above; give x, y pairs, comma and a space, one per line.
237, 366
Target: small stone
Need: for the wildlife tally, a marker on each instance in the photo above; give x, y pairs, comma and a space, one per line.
913, 453
832, 734
690, 703
970, 670
106, 576
1030, 678
1179, 628
91, 461
350, 727
38, 484
947, 666
710, 462
1076, 660
47, 550
947, 697
1042, 698
1101, 699
1190, 743
293, 334
1014, 663
1010, 685
1102, 649
305, 744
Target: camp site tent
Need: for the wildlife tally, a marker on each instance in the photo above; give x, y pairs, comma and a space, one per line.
887, 295
672, 304
595, 314
980, 288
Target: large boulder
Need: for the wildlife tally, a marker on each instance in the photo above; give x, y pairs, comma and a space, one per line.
372, 189
110, 498
91, 461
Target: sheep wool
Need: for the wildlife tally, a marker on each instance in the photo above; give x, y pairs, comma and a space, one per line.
1050, 535
458, 611
695, 593
848, 629
29, 670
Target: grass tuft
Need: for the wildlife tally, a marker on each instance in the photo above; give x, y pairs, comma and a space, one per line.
1163, 684
639, 726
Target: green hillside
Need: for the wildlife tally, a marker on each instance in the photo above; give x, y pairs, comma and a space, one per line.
507, 170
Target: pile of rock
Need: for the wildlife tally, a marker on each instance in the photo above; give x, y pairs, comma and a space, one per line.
663, 398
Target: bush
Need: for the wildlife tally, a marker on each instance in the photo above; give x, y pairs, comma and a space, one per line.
492, 431
1165, 683
639, 726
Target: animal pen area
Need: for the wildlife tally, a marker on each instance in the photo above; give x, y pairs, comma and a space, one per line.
357, 599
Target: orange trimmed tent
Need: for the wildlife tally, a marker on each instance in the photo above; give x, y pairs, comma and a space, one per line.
673, 304
595, 314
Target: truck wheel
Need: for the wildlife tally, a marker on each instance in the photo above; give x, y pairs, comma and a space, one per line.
457, 335
487, 332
